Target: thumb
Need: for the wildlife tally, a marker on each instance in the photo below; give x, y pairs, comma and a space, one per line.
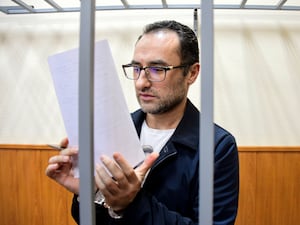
64, 142
146, 165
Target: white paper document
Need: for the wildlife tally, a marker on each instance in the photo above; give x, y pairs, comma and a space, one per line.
114, 130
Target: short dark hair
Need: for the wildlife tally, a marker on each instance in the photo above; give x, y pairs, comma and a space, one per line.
189, 50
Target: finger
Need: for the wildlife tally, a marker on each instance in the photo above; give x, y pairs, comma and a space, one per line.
51, 170
121, 161
146, 165
98, 180
69, 151
105, 182
118, 176
113, 168
64, 143
59, 159
126, 168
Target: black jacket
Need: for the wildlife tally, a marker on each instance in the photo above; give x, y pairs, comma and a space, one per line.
170, 194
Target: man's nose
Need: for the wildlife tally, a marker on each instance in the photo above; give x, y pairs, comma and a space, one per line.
143, 80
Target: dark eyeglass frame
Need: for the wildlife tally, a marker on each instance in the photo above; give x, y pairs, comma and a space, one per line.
146, 69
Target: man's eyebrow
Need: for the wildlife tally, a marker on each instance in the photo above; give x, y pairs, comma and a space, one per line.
157, 62
154, 62
135, 62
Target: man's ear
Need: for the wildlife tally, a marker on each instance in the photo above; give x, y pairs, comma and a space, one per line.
193, 73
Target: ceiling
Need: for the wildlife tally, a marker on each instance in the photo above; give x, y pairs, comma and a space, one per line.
10, 7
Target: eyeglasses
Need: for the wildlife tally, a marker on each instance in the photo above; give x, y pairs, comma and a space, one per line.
153, 73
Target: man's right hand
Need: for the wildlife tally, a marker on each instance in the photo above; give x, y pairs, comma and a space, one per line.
60, 168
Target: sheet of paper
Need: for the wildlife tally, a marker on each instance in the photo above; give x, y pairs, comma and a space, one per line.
113, 128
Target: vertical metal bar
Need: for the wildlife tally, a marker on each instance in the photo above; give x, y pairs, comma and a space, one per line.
206, 168
243, 3
164, 4
196, 22
125, 3
86, 112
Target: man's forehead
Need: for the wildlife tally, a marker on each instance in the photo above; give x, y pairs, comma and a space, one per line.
162, 40
160, 45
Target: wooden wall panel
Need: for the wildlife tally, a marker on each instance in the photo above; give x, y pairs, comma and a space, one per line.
27, 195
8, 184
278, 185
246, 211
269, 187
56, 199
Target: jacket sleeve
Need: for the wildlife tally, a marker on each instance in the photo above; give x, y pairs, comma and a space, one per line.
102, 216
226, 181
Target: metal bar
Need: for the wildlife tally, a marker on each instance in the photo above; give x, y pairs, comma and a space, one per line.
280, 4
243, 3
54, 5
6, 9
196, 22
20, 10
164, 4
125, 3
206, 168
86, 112
24, 5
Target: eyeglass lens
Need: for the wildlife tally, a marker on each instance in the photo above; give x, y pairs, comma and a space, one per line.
152, 73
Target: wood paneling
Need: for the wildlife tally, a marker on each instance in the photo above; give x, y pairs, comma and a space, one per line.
27, 195
278, 184
9, 185
269, 187
246, 211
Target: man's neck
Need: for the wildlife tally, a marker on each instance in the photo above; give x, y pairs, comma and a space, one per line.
166, 120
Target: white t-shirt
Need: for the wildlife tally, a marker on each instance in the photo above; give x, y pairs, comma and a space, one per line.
154, 137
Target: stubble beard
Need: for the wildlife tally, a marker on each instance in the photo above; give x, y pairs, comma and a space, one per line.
164, 104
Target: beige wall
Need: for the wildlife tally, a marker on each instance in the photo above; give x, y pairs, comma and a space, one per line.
257, 71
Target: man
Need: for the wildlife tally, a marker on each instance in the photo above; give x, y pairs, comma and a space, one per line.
165, 63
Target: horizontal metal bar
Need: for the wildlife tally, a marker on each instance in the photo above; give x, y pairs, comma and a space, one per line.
18, 10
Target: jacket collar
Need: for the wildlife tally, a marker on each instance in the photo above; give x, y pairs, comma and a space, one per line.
187, 131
